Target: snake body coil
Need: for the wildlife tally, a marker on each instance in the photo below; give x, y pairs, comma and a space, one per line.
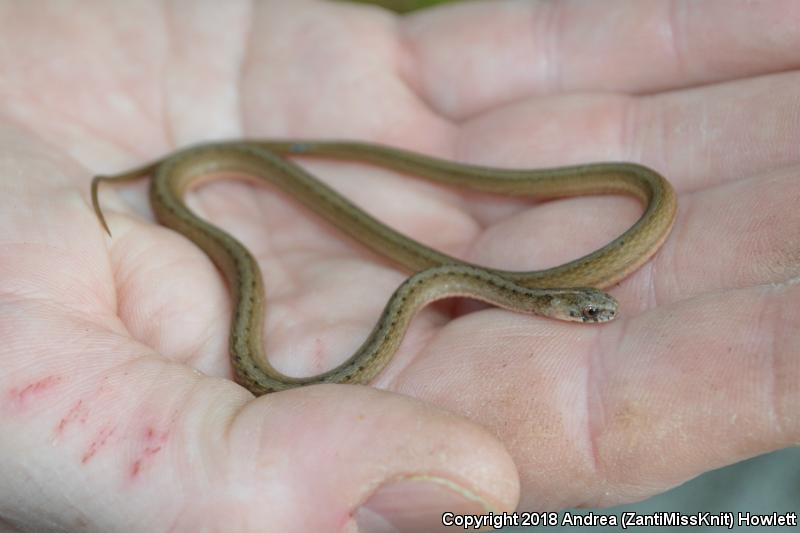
561, 292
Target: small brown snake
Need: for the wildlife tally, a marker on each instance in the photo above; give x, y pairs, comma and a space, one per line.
560, 292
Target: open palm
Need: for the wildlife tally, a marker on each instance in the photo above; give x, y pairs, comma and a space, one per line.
118, 407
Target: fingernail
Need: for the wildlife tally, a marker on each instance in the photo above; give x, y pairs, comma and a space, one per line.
416, 504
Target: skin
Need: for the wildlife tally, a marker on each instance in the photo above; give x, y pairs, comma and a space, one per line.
560, 292
119, 413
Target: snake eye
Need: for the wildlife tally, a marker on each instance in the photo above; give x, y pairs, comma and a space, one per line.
589, 312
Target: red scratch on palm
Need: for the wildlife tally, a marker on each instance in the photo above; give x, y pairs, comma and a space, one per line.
153, 443
78, 413
23, 396
99, 441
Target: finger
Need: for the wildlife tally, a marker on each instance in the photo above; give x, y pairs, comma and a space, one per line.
735, 235
379, 448
471, 57
601, 417
697, 138
722, 368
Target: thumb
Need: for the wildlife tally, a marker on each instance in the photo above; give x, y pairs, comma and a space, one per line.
336, 457
155, 447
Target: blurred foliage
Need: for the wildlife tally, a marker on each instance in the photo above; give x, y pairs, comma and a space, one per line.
404, 6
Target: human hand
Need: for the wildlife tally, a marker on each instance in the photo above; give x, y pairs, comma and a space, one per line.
103, 334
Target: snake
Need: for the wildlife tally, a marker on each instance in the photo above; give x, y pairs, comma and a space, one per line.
570, 292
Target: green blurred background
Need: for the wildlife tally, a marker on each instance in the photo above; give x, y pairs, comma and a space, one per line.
403, 6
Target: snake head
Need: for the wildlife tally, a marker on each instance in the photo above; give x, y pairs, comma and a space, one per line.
584, 305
